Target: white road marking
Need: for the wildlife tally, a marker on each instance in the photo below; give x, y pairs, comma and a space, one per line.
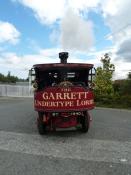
123, 160
66, 147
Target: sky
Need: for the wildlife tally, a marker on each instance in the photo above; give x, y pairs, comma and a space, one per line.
35, 31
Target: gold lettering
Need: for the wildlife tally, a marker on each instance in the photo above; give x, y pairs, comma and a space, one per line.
45, 96
67, 103
73, 96
80, 95
61, 103
66, 89
66, 96
91, 101
59, 96
55, 104
71, 103
85, 95
77, 103
39, 103
84, 102
51, 96
44, 103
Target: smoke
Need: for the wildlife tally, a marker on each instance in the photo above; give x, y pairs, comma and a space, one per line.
76, 33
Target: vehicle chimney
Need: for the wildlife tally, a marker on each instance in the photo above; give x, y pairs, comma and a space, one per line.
63, 57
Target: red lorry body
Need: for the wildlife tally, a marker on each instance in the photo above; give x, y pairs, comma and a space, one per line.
65, 103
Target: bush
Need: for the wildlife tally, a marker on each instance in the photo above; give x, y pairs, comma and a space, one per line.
126, 101
114, 101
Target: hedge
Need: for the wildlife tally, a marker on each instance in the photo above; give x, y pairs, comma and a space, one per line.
114, 101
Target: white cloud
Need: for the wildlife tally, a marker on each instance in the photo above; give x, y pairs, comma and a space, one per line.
8, 33
83, 5
46, 11
20, 65
110, 7
124, 50
76, 34
117, 15
122, 69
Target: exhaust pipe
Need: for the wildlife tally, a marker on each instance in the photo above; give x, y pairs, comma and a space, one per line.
63, 57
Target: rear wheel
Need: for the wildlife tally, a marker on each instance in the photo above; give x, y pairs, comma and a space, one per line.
41, 125
85, 122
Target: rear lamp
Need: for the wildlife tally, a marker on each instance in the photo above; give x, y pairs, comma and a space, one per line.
35, 85
55, 114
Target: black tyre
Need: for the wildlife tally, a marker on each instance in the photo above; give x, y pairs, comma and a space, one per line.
85, 122
40, 124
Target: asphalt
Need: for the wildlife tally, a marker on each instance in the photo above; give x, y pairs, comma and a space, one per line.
105, 149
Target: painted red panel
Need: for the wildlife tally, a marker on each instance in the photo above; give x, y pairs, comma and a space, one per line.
65, 122
63, 99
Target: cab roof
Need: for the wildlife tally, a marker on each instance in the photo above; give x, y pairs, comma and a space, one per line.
61, 65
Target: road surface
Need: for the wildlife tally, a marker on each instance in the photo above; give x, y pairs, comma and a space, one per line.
105, 149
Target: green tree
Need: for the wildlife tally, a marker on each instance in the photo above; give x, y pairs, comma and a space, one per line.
8, 79
129, 75
2, 78
103, 79
125, 89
